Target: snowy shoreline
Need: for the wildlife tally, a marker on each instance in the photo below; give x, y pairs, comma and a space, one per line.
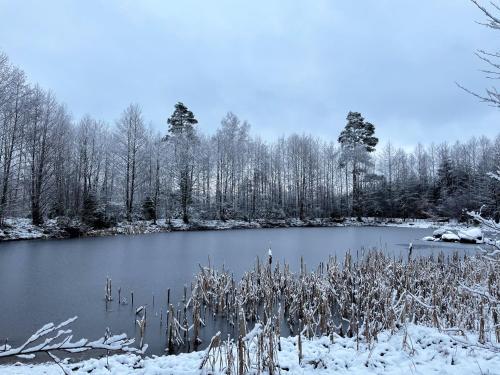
22, 229
414, 349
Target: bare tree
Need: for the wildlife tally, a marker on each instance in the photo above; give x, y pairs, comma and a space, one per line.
13, 99
130, 133
491, 58
46, 117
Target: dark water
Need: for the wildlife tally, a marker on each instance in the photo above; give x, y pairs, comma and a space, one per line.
50, 280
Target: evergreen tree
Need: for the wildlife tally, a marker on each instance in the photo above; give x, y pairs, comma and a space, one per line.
182, 135
92, 214
357, 140
149, 209
358, 132
181, 122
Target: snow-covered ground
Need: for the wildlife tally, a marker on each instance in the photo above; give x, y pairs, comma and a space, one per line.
414, 350
22, 229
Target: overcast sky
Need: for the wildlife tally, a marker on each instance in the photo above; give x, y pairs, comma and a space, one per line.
285, 66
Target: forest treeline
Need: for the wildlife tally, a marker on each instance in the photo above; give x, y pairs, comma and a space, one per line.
52, 165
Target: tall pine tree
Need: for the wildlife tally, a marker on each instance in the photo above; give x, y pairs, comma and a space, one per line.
182, 134
182, 121
357, 140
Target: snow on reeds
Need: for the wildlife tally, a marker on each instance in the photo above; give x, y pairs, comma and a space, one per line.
354, 299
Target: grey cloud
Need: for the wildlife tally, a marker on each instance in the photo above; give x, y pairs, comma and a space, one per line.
285, 66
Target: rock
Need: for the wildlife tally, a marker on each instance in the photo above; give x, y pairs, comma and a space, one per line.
439, 232
73, 231
429, 238
472, 235
450, 237
340, 220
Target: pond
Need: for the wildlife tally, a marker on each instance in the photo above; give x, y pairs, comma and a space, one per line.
52, 280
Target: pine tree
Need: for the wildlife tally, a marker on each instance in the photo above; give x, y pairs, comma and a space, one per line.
358, 132
149, 209
357, 140
182, 135
182, 120
92, 214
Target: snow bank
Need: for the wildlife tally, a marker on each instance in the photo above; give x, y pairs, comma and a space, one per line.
415, 350
21, 229
62, 227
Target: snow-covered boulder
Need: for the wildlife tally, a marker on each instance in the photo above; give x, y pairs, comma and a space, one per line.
429, 238
450, 237
472, 235
439, 232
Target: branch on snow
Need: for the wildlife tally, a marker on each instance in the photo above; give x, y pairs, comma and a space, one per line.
52, 337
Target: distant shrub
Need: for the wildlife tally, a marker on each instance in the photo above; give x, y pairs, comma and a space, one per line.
93, 214
149, 209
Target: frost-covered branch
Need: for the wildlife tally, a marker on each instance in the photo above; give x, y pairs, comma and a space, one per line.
52, 337
481, 292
